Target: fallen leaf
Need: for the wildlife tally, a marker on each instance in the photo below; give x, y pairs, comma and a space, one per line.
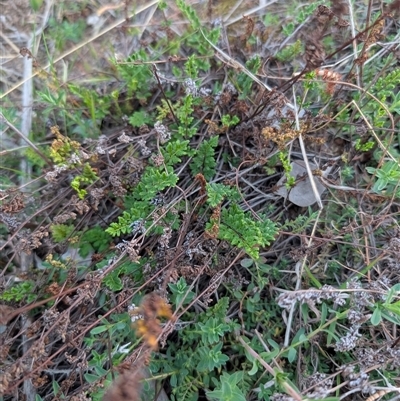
302, 194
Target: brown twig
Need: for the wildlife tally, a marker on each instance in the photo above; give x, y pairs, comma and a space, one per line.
26, 139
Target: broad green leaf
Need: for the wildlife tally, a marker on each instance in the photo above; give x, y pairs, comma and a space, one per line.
376, 317
99, 329
292, 354
91, 378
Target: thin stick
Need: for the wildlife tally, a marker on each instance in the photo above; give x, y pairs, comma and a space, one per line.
305, 158
26, 139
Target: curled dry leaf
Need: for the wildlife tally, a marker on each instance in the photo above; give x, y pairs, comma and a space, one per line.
6, 314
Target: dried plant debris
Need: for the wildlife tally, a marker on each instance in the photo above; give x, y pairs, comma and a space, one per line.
127, 387
146, 318
6, 313
340, 7
394, 7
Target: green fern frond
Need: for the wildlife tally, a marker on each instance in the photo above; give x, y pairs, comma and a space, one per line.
240, 230
204, 160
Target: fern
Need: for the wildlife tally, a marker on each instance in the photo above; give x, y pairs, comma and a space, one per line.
87, 177
153, 181
229, 121
174, 150
196, 41
61, 232
18, 292
240, 230
34, 158
139, 118
125, 221
301, 222
386, 85
191, 67
184, 115
62, 148
385, 91
218, 192
204, 161
288, 53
